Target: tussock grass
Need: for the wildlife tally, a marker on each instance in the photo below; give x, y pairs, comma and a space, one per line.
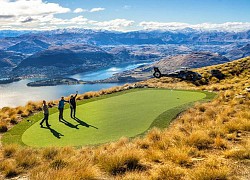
50, 153
9, 168
212, 168
3, 127
207, 142
122, 162
168, 171
27, 158
179, 156
238, 154
10, 150
200, 140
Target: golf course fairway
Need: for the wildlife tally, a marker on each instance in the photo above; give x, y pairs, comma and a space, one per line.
108, 119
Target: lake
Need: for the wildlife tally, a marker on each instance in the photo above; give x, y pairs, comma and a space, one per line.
18, 93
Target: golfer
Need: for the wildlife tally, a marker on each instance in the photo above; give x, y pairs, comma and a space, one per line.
72, 103
46, 114
61, 108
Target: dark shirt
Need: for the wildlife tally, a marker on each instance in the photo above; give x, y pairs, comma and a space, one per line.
45, 109
72, 101
61, 104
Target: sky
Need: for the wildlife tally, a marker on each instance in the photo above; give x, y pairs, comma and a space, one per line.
125, 15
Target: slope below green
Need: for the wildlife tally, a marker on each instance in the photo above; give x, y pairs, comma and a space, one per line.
128, 114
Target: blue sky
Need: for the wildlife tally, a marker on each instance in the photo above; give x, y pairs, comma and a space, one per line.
125, 15
189, 11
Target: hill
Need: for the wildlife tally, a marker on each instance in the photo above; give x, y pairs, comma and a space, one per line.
208, 141
193, 60
239, 53
5, 63
29, 46
136, 54
65, 59
10, 58
67, 55
166, 65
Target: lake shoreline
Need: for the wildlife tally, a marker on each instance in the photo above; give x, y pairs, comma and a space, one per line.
18, 93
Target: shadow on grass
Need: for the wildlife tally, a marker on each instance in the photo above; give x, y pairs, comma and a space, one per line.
54, 132
68, 124
82, 123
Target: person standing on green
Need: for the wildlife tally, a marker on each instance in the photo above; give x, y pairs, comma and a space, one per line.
61, 108
72, 103
46, 114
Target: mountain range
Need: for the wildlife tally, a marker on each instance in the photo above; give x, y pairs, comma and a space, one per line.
82, 36
82, 49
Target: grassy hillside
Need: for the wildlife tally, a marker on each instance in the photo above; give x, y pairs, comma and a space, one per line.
208, 141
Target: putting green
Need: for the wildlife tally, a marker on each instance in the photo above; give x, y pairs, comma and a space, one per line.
104, 120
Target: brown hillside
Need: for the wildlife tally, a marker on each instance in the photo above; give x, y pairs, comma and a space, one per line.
208, 141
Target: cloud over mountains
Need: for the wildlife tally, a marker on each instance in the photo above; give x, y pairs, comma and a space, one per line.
43, 15
228, 26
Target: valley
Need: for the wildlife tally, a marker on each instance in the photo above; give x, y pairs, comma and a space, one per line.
70, 51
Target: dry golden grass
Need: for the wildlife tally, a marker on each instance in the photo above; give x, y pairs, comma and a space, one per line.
211, 168
208, 141
168, 171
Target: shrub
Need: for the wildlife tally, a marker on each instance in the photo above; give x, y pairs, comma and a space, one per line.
237, 124
10, 150
220, 143
3, 127
9, 168
25, 114
179, 156
200, 140
27, 158
50, 153
168, 171
19, 110
202, 108
211, 169
121, 163
13, 119
239, 154
154, 135
58, 164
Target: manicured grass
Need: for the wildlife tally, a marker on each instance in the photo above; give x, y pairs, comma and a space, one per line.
106, 118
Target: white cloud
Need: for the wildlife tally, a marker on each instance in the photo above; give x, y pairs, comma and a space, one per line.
29, 8
39, 14
79, 20
228, 26
79, 10
96, 9
27, 14
116, 24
